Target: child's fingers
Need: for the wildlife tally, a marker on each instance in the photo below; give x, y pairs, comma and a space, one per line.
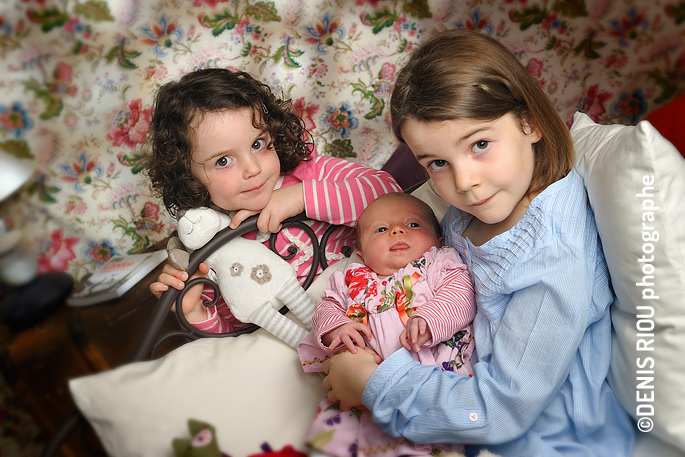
404, 340
358, 339
267, 222
171, 281
376, 357
158, 288
422, 326
349, 344
202, 271
365, 330
334, 343
171, 270
240, 216
413, 332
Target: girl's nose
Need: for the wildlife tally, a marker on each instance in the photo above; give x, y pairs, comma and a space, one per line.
465, 178
251, 166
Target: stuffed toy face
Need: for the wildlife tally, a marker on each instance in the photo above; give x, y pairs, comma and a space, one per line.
197, 226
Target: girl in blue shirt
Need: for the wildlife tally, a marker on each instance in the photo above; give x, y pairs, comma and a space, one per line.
497, 150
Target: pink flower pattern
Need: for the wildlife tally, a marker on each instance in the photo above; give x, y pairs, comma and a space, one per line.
78, 85
129, 127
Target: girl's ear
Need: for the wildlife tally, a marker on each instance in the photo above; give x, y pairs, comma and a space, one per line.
360, 255
441, 241
531, 127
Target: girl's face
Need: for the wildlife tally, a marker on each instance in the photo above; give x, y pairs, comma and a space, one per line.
233, 162
481, 167
394, 231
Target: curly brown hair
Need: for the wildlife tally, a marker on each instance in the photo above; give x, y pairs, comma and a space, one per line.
179, 107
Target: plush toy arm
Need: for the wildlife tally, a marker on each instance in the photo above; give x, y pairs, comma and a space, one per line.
277, 324
296, 299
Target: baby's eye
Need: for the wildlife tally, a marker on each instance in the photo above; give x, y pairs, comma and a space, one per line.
436, 165
259, 144
480, 146
223, 161
413, 224
381, 230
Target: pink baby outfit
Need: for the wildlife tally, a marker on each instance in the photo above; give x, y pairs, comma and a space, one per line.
436, 288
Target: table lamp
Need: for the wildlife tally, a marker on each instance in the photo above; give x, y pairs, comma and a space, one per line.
29, 297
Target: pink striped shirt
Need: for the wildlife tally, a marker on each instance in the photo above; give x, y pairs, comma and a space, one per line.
336, 191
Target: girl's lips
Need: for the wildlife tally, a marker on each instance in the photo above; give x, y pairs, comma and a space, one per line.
482, 202
254, 189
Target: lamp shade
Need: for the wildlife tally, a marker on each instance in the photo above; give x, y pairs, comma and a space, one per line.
13, 174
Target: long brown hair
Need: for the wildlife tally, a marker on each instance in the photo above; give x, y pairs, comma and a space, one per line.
460, 74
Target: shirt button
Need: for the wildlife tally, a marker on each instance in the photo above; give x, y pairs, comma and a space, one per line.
473, 417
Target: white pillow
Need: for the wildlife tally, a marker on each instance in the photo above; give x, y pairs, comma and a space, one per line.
251, 388
627, 170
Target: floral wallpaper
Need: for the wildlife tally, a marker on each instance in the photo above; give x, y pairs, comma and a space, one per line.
77, 79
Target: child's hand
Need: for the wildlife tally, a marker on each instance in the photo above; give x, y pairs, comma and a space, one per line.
415, 335
347, 375
193, 309
347, 334
285, 202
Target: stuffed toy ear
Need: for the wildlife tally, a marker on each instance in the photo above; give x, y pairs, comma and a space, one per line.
179, 257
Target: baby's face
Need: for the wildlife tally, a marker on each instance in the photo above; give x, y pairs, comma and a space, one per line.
393, 232
232, 160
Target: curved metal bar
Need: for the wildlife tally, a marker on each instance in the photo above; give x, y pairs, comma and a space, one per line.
346, 250
165, 302
168, 336
195, 332
315, 246
55, 442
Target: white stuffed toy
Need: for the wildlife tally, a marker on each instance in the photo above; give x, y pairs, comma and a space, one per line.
248, 274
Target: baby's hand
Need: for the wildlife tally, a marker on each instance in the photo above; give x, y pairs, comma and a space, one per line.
347, 334
193, 309
415, 335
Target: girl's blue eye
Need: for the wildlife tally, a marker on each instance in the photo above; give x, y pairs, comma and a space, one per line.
259, 144
224, 161
480, 146
436, 165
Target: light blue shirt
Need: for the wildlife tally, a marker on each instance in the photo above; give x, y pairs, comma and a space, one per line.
543, 339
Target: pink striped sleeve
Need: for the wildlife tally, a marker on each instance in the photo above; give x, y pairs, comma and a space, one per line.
331, 312
342, 189
452, 308
219, 318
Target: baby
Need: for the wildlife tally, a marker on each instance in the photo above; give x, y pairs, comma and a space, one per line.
409, 292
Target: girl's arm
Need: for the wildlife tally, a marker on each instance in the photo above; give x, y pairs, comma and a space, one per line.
533, 349
342, 189
218, 318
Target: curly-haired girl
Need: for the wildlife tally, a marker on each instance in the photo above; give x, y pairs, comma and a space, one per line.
223, 138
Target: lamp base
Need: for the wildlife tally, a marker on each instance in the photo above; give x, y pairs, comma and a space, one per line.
30, 304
